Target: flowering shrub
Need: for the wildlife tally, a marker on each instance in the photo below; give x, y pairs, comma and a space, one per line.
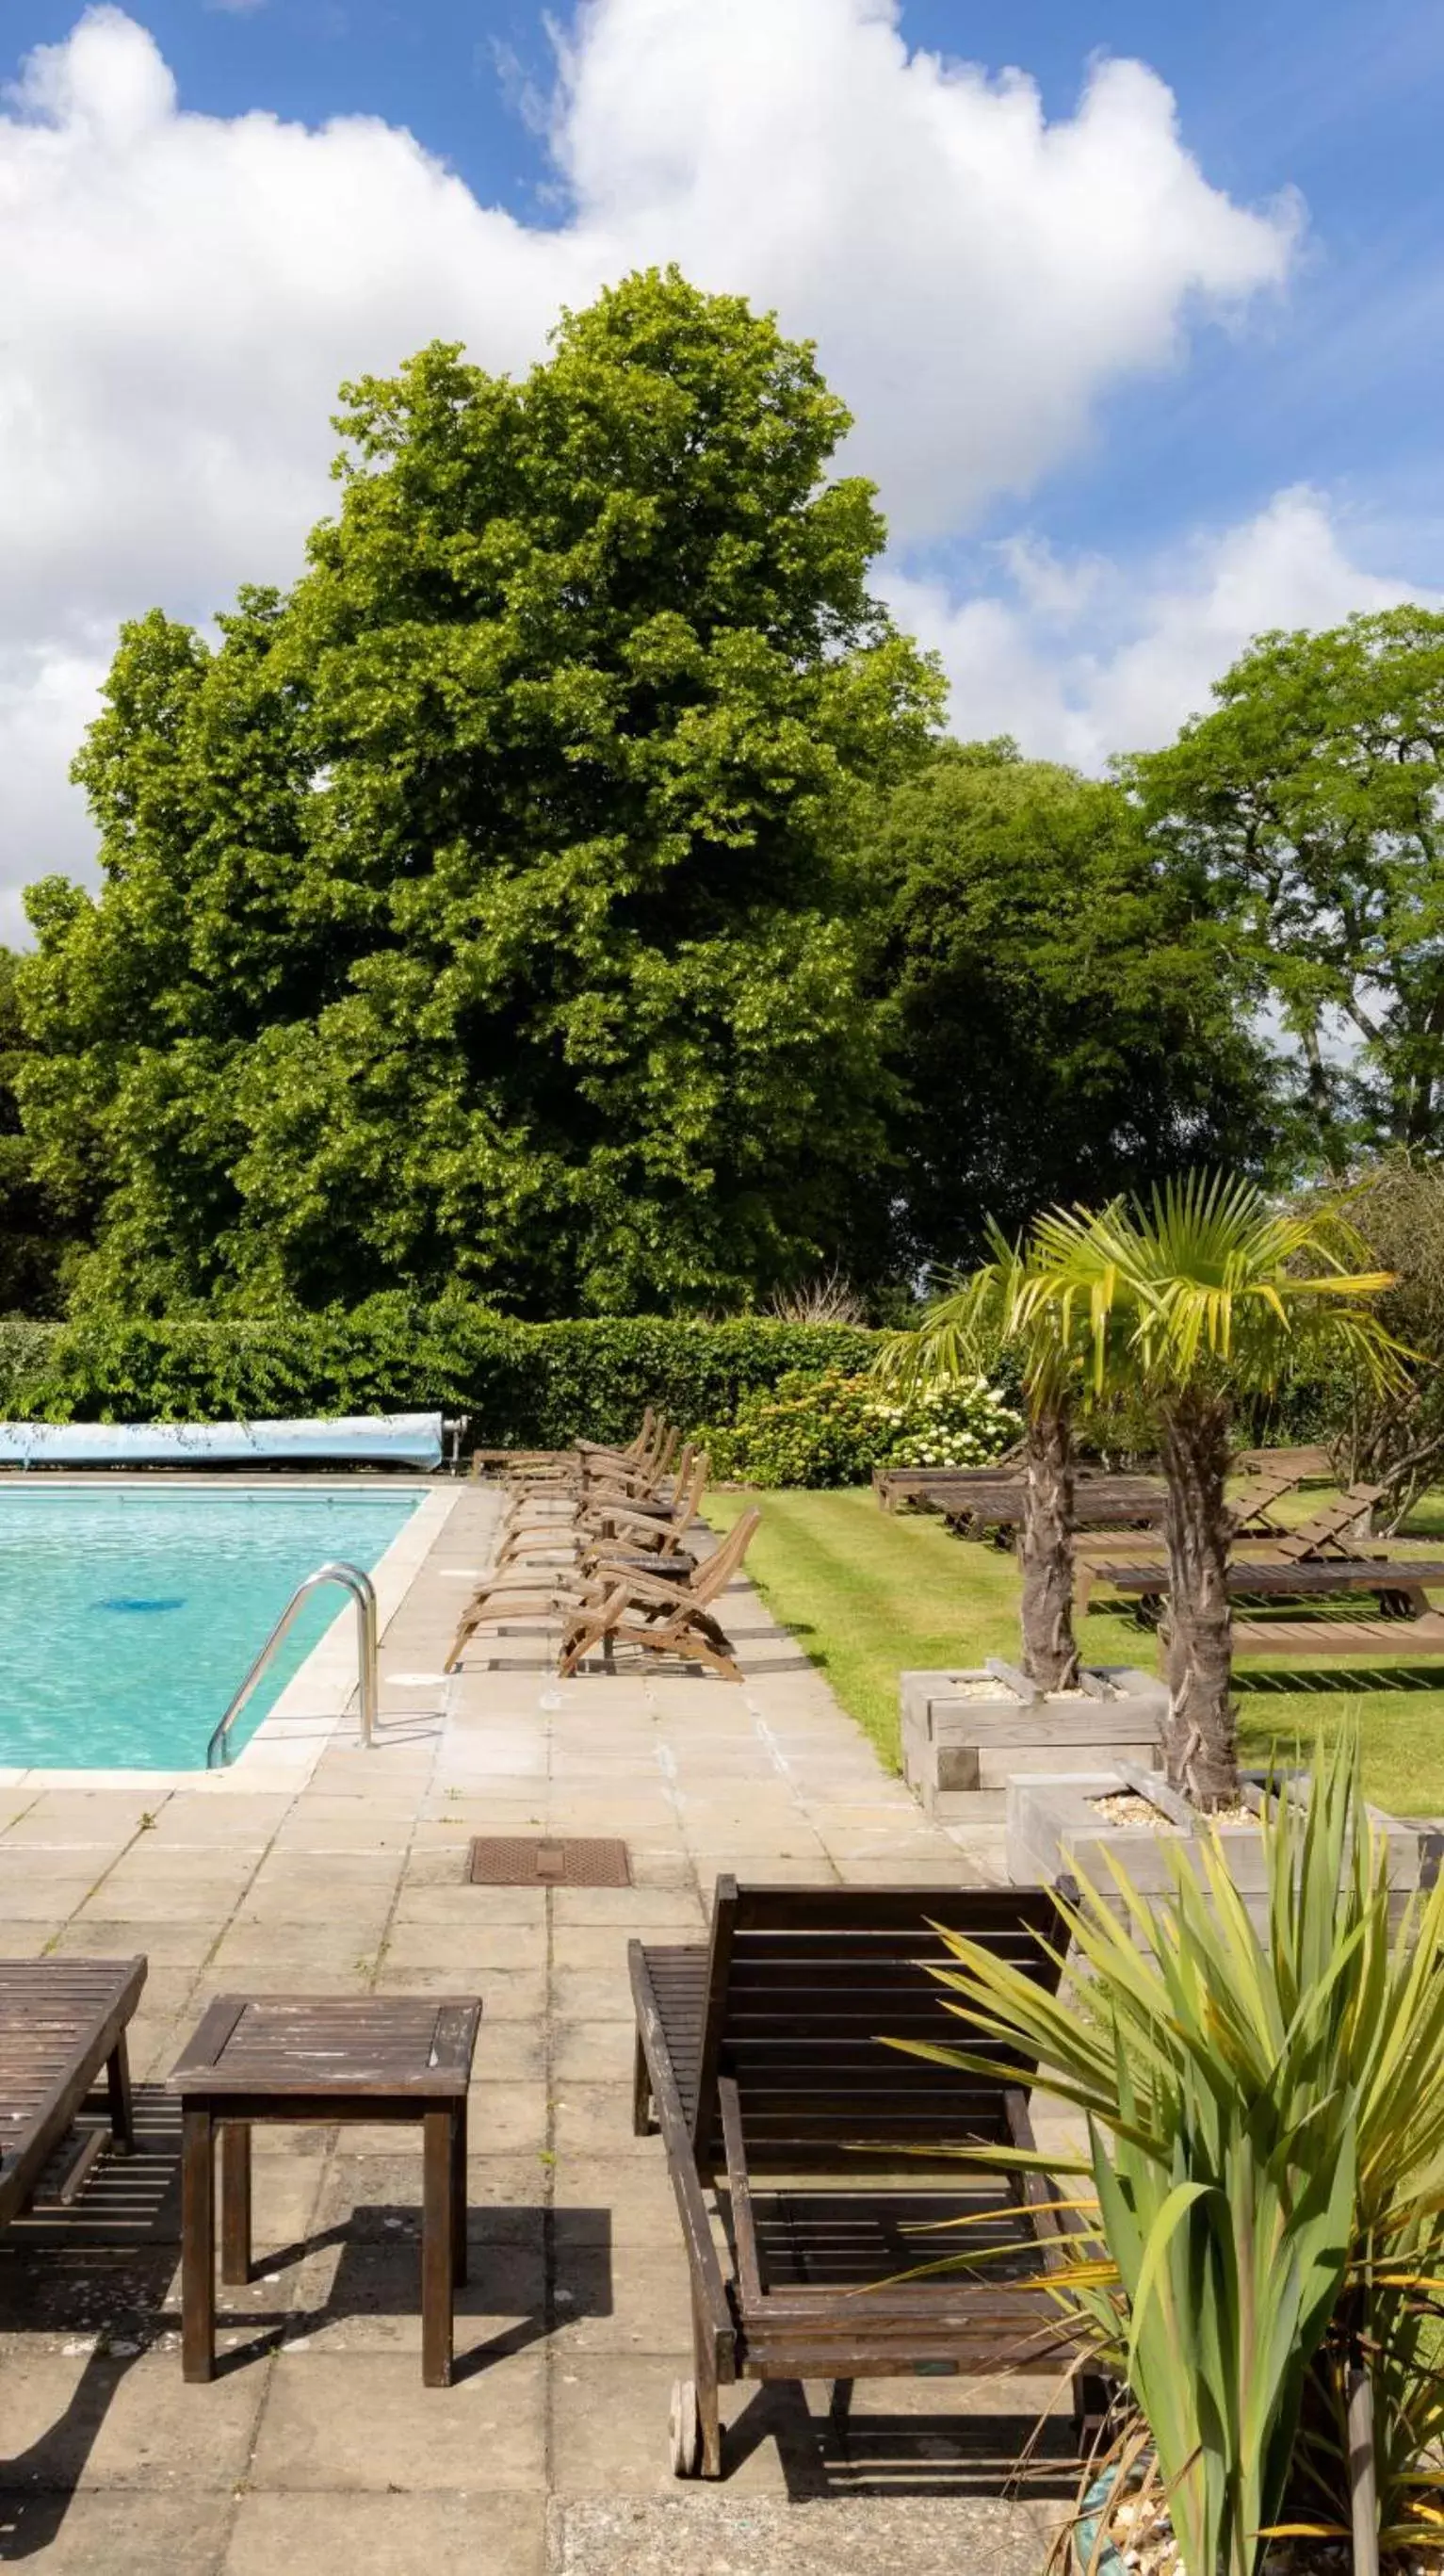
834, 1429
962, 1425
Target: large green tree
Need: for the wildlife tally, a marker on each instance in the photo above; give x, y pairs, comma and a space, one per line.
33, 1239
1312, 797
1066, 1012
479, 909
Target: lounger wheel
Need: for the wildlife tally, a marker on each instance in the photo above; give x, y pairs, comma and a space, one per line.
686, 2430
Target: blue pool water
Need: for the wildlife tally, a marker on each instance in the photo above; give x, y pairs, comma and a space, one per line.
128, 1620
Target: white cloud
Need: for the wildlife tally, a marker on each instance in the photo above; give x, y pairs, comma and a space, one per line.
1083, 659
182, 294
974, 275
48, 694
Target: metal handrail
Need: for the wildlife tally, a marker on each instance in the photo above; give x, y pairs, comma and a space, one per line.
363, 1593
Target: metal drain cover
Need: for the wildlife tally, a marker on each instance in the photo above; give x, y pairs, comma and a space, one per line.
541, 1860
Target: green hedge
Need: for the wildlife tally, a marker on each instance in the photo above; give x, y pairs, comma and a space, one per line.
522, 1384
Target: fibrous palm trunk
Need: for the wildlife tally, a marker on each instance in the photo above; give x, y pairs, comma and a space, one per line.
1045, 1550
1201, 1736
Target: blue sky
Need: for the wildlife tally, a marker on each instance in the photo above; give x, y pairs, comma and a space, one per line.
1165, 411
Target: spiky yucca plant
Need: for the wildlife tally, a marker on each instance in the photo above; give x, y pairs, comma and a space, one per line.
1260, 2214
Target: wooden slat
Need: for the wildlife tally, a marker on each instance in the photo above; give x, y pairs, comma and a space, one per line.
1394, 1638
1268, 1579
296, 2048
765, 2054
59, 2022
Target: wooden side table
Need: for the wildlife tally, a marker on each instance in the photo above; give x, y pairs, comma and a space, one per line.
337, 2058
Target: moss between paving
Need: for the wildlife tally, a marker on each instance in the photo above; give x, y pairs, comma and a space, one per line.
871, 1593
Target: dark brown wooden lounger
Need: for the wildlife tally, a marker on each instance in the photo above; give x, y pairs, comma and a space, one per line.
61, 2021
1398, 1581
763, 2057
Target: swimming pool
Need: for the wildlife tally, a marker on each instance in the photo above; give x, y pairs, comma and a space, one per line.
129, 1618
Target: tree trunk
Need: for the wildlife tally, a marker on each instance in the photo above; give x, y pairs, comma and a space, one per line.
1045, 1550
1200, 1744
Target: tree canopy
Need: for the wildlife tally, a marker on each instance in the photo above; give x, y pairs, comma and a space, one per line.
32, 1241
476, 910
1312, 798
1066, 1014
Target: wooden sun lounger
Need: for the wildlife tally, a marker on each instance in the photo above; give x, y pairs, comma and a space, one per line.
1399, 1582
763, 2056
644, 1609
894, 1485
1325, 1541
1307, 1465
1252, 1510
1251, 1514
605, 1516
1330, 1531
61, 2021
661, 1603
1099, 1502
544, 1466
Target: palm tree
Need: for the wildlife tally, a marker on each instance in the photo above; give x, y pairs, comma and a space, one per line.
958, 1330
1204, 1292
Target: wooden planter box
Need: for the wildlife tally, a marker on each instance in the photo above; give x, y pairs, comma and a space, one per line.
964, 1733
1054, 1830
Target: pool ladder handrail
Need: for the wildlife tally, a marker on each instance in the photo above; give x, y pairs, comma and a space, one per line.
363, 1593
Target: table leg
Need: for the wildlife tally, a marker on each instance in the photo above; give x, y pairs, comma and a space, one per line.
198, 2247
235, 2200
117, 2085
458, 2194
438, 2218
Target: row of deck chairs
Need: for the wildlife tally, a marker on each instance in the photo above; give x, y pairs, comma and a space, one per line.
593, 1536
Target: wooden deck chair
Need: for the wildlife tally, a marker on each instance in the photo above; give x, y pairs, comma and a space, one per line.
665, 1618
1308, 1466
1322, 1540
642, 1477
763, 2055
551, 1591
597, 1524
598, 1456
646, 1477
544, 1466
542, 1586
520, 1461
1331, 1531
1251, 1513
61, 2022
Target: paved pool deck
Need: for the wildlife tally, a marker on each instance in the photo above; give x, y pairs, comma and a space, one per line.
317, 1867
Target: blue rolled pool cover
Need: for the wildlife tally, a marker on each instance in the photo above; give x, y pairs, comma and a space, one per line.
378, 1439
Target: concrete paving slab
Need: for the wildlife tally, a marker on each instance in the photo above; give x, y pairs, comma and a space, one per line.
361, 2423
706, 2530
126, 2535
95, 2421
324, 1869
609, 2427
489, 2532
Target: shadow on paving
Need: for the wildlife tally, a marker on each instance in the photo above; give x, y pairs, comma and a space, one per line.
849, 2453
36, 2485
513, 2276
103, 2272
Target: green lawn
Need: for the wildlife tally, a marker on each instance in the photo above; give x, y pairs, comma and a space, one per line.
872, 1593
